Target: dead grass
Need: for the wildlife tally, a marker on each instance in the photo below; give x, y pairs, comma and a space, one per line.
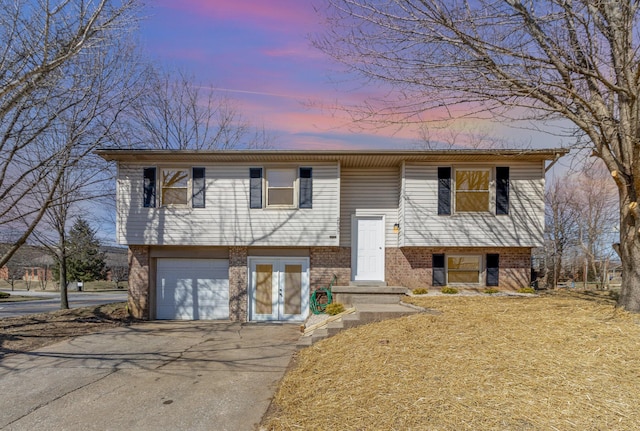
21, 334
564, 361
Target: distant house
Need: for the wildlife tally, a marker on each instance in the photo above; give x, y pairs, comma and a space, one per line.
30, 263
245, 235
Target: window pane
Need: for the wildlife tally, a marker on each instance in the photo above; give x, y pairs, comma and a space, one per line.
472, 180
176, 196
472, 201
464, 277
264, 290
464, 262
281, 196
281, 177
175, 178
292, 289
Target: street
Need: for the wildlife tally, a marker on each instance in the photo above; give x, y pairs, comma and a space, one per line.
52, 303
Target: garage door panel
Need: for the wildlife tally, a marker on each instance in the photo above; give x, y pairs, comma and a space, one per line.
192, 289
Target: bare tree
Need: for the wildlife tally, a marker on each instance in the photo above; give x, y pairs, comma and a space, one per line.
42, 44
535, 60
119, 273
561, 227
596, 198
175, 113
449, 135
107, 83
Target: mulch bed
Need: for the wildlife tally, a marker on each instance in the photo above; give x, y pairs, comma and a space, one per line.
561, 361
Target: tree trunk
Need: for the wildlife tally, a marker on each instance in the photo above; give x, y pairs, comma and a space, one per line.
64, 300
629, 251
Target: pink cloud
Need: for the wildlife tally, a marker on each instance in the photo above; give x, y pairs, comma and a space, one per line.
273, 14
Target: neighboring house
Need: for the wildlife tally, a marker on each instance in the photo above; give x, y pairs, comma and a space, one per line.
245, 235
30, 264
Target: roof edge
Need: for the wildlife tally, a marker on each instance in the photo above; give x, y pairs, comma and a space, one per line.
120, 154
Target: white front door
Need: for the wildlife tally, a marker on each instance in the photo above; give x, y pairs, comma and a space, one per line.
279, 289
368, 248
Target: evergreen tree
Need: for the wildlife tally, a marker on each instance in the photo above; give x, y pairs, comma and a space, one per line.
85, 261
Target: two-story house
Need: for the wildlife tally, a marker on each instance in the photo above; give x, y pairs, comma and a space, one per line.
246, 235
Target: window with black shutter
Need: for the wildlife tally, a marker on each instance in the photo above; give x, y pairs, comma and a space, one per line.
502, 190
493, 269
149, 187
306, 188
255, 188
438, 269
198, 188
444, 191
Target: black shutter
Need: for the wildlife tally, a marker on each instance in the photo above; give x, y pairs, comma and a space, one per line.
255, 188
438, 269
306, 188
444, 191
493, 269
149, 187
197, 183
502, 190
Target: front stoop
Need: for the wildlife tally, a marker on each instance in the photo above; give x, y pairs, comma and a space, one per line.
365, 313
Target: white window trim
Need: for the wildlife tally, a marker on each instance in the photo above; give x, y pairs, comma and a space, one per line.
481, 268
189, 187
296, 173
492, 189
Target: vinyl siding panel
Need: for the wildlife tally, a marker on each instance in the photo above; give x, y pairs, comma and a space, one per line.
522, 227
369, 192
227, 220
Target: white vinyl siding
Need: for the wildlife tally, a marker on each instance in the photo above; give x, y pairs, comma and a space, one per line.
369, 192
522, 227
227, 220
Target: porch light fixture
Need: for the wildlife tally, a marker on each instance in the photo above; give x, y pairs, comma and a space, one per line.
396, 228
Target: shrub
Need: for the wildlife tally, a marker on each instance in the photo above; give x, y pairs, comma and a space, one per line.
420, 291
449, 290
491, 290
4, 295
334, 308
527, 290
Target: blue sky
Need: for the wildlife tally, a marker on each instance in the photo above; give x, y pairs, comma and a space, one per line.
259, 53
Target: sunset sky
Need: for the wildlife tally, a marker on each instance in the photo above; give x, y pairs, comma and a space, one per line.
259, 53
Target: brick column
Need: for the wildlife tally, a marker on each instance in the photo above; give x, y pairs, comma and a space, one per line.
139, 288
238, 287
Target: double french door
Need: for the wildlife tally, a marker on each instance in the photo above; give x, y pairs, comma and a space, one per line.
279, 289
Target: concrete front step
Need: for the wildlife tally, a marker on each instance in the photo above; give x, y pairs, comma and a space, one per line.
366, 313
368, 283
368, 294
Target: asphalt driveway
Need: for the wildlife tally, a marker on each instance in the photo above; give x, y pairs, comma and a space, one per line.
152, 376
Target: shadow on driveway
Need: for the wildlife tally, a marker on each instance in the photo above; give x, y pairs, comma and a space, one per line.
151, 376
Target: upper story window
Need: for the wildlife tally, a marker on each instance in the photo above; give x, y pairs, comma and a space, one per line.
472, 190
281, 185
174, 186
177, 187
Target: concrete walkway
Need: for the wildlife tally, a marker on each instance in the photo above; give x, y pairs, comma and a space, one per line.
152, 376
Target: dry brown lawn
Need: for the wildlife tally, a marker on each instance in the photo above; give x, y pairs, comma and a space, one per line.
22, 334
562, 361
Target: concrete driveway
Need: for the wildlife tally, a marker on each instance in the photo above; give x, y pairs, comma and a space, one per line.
152, 376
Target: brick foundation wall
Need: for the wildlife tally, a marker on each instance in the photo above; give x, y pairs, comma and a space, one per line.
326, 261
412, 266
139, 289
238, 295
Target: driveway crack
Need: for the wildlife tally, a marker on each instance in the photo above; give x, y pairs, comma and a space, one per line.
50, 401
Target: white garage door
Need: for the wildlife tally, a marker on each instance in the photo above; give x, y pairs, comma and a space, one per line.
192, 289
